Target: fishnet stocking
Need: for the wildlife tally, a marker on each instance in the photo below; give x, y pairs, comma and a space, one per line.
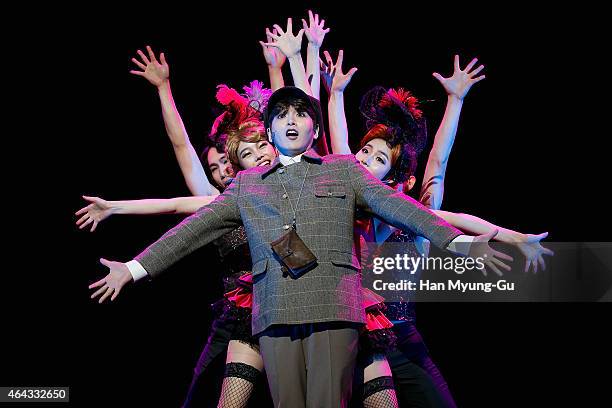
238, 385
379, 393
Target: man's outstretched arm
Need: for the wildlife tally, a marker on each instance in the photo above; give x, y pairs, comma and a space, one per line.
206, 225
398, 209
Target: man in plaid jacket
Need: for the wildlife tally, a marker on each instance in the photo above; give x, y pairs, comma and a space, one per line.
307, 327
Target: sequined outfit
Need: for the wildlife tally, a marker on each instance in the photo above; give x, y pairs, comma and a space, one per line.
230, 323
235, 256
417, 379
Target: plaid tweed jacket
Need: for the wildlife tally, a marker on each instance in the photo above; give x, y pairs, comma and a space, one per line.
333, 187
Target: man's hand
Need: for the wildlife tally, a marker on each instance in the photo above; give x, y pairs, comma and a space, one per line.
118, 276
95, 212
155, 72
461, 81
315, 33
480, 248
333, 77
289, 44
534, 251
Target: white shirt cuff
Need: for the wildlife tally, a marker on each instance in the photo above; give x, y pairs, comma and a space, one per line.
461, 244
137, 270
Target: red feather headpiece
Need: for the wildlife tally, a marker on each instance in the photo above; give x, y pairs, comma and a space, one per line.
226, 95
405, 98
237, 110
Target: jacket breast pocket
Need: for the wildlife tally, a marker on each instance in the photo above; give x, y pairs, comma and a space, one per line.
260, 266
329, 189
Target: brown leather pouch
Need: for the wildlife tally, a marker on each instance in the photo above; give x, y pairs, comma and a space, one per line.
293, 253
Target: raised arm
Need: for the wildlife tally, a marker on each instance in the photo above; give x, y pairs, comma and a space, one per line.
528, 244
291, 45
457, 87
158, 74
100, 209
338, 129
315, 33
275, 60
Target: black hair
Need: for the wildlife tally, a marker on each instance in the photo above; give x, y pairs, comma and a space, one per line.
300, 105
392, 120
218, 142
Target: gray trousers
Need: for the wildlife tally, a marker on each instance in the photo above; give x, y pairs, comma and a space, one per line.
310, 365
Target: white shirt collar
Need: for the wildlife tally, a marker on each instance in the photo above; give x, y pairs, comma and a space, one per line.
286, 160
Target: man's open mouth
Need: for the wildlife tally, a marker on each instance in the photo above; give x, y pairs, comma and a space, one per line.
292, 134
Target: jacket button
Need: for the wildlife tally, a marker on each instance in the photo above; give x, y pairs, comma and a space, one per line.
286, 226
329, 193
281, 171
285, 195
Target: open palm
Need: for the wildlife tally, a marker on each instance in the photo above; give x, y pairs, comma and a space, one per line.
491, 258
314, 29
462, 80
95, 212
273, 56
289, 44
118, 276
534, 251
333, 77
154, 71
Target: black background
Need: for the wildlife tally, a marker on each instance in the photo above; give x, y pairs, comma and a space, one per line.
529, 155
